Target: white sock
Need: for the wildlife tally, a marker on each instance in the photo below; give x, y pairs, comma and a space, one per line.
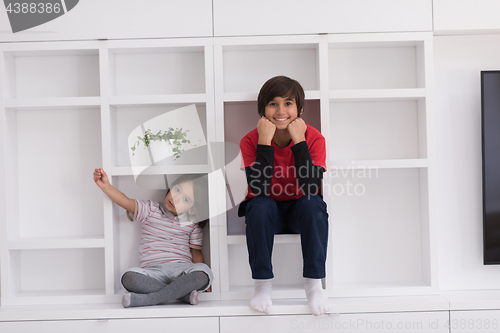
193, 297
126, 300
261, 300
318, 302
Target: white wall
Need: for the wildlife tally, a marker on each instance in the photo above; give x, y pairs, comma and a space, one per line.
458, 62
466, 15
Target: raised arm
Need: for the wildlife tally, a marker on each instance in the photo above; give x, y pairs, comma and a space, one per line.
101, 180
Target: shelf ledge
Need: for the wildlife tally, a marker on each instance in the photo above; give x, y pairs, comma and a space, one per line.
278, 239
56, 243
41, 103
160, 170
462, 300
221, 308
380, 164
252, 97
377, 94
157, 99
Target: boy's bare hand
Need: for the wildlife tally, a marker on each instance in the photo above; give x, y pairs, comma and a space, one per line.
101, 178
297, 129
266, 130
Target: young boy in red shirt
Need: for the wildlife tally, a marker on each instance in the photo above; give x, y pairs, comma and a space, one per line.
284, 160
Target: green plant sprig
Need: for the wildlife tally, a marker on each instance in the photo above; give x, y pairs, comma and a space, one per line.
177, 135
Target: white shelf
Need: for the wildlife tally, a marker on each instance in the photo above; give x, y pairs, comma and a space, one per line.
43, 103
250, 288
377, 94
251, 97
278, 239
157, 99
380, 164
89, 292
160, 170
280, 291
462, 300
291, 307
383, 288
49, 298
56, 243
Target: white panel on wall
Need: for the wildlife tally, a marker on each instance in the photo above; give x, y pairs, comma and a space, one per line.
466, 15
458, 62
409, 322
185, 325
116, 19
277, 17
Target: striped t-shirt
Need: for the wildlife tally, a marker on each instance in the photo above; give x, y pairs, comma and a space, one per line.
164, 237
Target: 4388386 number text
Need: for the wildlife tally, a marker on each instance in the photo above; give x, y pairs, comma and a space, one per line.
33, 7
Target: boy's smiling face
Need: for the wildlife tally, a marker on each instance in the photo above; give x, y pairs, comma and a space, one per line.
281, 111
180, 199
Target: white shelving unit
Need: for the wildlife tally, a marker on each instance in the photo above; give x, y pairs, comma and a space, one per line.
371, 97
381, 144
69, 107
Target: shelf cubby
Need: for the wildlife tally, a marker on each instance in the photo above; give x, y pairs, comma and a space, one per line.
53, 199
383, 65
238, 99
127, 234
127, 118
157, 71
377, 130
234, 113
258, 63
35, 273
51, 74
380, 228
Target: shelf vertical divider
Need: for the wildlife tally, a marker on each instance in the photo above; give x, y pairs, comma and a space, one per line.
428, 199
220, 158
324, 88
4, 250
104, 73
212, 188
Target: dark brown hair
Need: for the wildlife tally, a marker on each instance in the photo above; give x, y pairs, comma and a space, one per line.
200, 192
280, 86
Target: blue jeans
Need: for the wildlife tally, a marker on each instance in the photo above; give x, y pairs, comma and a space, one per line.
306, 216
